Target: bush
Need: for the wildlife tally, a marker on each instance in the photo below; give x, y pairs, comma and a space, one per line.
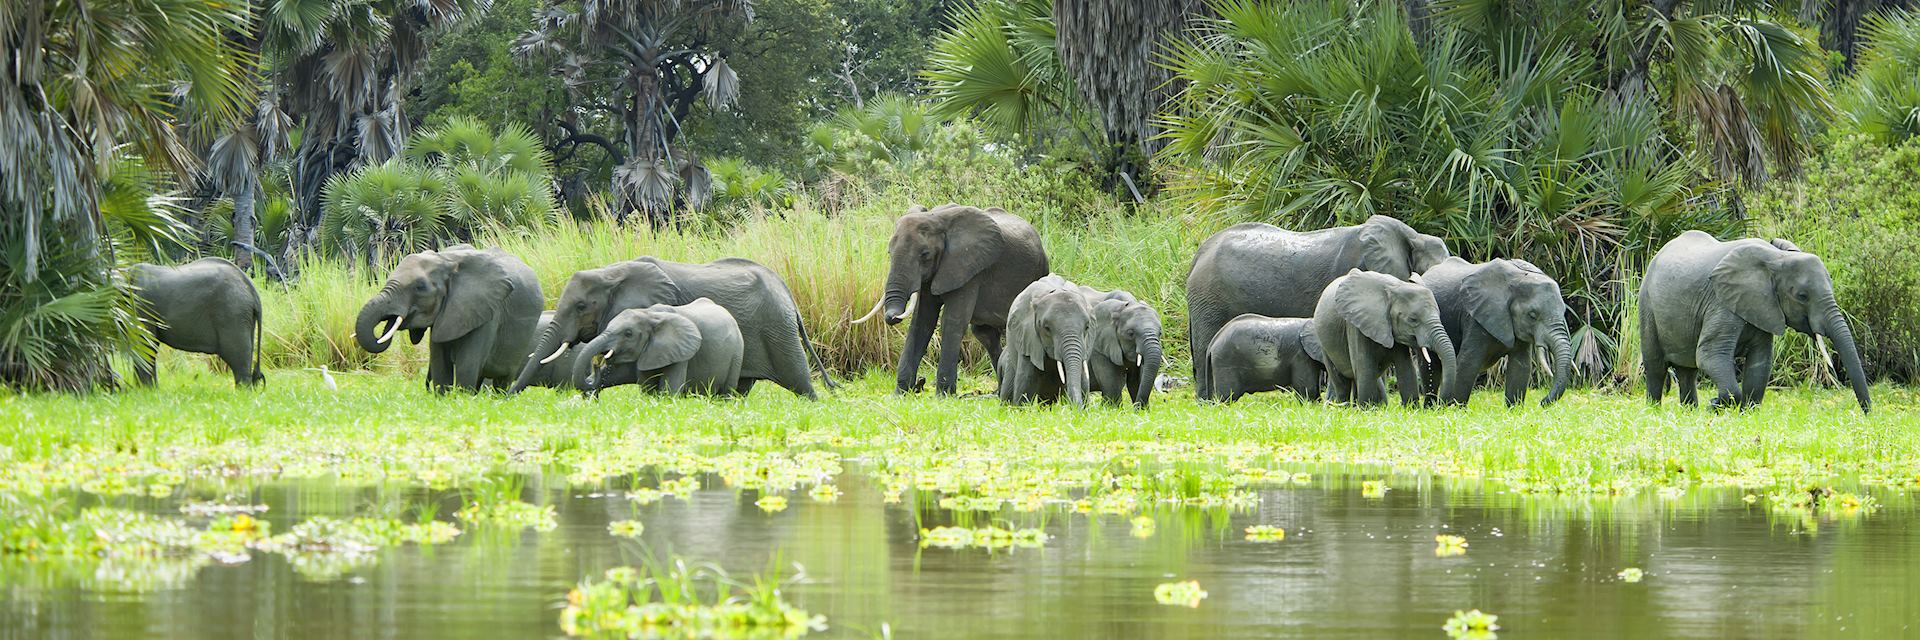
1884, 99
1858, 208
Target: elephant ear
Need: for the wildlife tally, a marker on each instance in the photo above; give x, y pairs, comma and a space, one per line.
1103, 333
973, 244
1743, 282
1023, 328
1489, 292
644, 283
475, 293
1310, 343
1363, 304
1383, 251
1784, 244
675, 339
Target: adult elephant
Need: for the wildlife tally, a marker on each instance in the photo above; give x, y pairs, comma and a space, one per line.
205, 306
777, 348
477, 307
1716, 306
962, 266
1263, 269
1502, 308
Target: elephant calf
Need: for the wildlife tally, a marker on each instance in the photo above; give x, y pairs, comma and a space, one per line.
1123, 335
1713, 306
1255, 353
205, 306
1502, 308
1367, 320
691, 348
1046, 351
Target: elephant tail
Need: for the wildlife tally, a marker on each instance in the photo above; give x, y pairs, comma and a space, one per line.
258, 376
807, 342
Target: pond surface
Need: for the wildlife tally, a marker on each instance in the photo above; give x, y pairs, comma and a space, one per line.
1355, 562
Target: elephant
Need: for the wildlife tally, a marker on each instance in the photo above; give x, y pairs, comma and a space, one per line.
1707, 305
1046, 350
962, 266
777, 346
559, 373
1366, 318
1255, 353
1263, 269
1123, 336
1501, 308
690, 348
204, 306
477, 307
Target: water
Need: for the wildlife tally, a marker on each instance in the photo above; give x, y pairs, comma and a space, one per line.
1349, 567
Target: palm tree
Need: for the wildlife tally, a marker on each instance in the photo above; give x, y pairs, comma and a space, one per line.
1111, 48
647, 63
82, 86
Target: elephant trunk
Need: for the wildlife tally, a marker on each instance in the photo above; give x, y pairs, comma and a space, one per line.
546, 346
1562, 345
1149, 369
366, 328
1834, 327
583, 373
1435, 338
1073, 365
903, 286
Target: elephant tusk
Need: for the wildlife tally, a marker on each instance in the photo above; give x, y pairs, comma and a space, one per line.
1820, 342
1426, 355
1138, 360
1060, 369
869, 316
1084, 371
608, 356
911, 301
392, 329
556, 353
1542, 354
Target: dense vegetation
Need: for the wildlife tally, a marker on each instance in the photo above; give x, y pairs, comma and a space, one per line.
330, 137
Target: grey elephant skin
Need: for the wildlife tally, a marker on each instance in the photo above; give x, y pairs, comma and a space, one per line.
690, 348
960, 267
1123, 337
1502, 308
476, 307
1263, 269
1046, 350
1256, 353
1713, 306
557, 374
205, 306
1367, 321
777, 348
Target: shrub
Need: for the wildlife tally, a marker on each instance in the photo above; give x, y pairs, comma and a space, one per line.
1885, 96
1859, 210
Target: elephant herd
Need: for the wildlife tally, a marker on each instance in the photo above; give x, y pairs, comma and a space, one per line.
1332, 310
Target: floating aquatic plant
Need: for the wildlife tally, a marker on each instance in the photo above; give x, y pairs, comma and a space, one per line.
1143, 527
676, 601
1374, 488
1447, 546
626, 528
1184, 594
509, 513
1472, 625
1266, 533
990, 538
1631, 574
771, 504
824, 493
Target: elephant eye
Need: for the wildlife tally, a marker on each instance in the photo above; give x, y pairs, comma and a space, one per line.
580, 305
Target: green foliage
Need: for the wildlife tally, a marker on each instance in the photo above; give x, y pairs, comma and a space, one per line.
744, 186
452, 181
998, 62
1859, 210
1885, 96
887, 133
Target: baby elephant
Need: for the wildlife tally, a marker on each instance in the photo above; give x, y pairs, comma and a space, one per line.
1123, 335
1255, 353
205, 306
1367, 321
691, 348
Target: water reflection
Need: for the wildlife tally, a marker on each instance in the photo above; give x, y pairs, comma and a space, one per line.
1352, 564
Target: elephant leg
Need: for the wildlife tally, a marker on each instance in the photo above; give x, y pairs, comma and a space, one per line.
1519, 374
1367, 389
1407, 376
439, 367
1306, 382
1719, 340
919, 334
744, 386
1203, 323
237, 352
1472, 359
955, 312
1686, 384
468, 355
674, 383
1653, 361
989, 337
1107, 378
1339, 388
790, 367
1757, 372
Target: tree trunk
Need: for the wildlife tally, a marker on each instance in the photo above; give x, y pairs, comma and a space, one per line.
243, 223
